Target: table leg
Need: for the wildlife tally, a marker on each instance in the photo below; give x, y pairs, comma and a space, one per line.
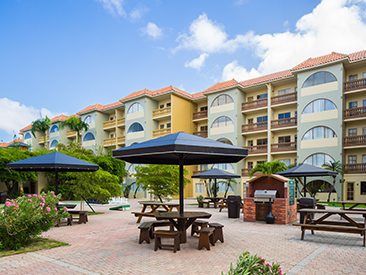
183, 231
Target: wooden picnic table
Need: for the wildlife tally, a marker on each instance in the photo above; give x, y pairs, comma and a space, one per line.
321, 223
182, 221
215, 200
154, 208
355, 203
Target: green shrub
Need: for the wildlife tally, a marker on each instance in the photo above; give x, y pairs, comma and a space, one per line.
27, 217
200, 198
253, 264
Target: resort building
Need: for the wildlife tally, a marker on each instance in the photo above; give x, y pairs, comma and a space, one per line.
312, 113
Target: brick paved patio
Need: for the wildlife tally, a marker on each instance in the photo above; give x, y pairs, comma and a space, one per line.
108, 244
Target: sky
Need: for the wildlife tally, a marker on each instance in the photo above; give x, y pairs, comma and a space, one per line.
58, 57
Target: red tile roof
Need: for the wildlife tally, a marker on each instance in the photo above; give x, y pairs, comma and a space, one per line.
6, 144
357, 56
112, 105
311, 62
59, 118
91, 108
198, 95
222, 85
266, 78
136, 94
171, 88
25, 128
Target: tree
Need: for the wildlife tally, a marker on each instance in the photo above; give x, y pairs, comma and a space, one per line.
337, 167
42, 125
228, 183
269, 168
75, 124
161, 180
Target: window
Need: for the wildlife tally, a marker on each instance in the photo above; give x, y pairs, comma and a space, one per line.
284, 115
168, 104
27, 136
321, 185
262, 141
318, 159
319, 105
89, 136
203, 109
284, 139
112, 135
223, 166
203, 128
224, 140
352, 105
200, 188
222, 121
161, 126
283, 92
162, 106
250, 98
250, 143
54, 129
363, 131
319, 78
136, 127
363, 187
363, 158
250, 165
54, 143
262, 119
134, 108
89, 120
250, 121
352, 132
261, 161
285, 161
352, 159
318, 133
262, 96
352, 79
222, 100
364, 103
169, 125
222, 187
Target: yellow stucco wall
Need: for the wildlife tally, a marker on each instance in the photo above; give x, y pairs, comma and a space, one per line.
356, 179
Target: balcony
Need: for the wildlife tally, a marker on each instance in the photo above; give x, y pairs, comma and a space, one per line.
109, 142
354, 141
200, 115
283, 147
121, 140
286, 98
255, 104
121, 122
257, 149
109, 124
162, 112
201, 133
285, 122
71, 134
161, 132
253, 127
355, 113
41, 140
357, 168
355, 85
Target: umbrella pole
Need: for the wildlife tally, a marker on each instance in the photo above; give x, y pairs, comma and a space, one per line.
304, 186
56, 182
181, 186
215, 188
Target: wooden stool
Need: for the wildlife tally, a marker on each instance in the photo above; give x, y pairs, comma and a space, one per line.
196, 224
218, 231
159, 234
206, 237
145, 228
159, 224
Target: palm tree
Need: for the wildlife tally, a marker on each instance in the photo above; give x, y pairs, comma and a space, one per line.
42, 125
75, 124
228, 183
268, 168
337, 167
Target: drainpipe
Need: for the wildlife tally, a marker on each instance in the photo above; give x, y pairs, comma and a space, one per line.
269, 140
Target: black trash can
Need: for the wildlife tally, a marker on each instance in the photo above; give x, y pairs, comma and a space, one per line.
233, 205
306, 203
3, 197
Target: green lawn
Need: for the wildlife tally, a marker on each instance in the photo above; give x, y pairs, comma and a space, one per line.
336, 204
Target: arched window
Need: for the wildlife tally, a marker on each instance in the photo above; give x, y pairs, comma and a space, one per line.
136, 127
222, 187
54, 129
318, 159
222, 100
319, 132
319, 78
89, 120
89, 136
54, 143
319, 105
225, 140
27, 136
321, 186
136, 107
134, 187
132, 167
223, 166
222, 121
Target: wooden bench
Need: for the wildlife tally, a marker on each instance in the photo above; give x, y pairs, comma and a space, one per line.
320, 206
159, 224
197, 225
339, 227
163, 234
142, 214
145, 232
218, 234
83, 216
201, 204
206, 237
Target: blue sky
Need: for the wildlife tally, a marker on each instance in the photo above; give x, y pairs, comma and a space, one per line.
58, 57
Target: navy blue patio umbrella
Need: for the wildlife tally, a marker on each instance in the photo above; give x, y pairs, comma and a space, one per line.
53, 162
181, 149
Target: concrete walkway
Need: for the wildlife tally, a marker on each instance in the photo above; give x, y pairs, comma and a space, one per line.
108, 244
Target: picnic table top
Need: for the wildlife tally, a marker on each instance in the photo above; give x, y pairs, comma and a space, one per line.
185, 215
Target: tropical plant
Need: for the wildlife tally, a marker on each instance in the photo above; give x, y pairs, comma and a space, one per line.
200, 198
228, 184
268, 168
75, 124
335, 166
41, 125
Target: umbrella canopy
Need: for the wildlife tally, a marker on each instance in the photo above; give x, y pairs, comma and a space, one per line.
216, 174
53, 162
306, 170
181, 149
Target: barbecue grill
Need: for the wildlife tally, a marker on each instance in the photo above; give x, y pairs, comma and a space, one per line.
264, 195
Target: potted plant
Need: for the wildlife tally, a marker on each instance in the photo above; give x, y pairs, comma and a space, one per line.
200, 199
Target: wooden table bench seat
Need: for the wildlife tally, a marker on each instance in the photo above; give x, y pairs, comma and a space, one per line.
206, 237
83, 216
145, 232
162, 234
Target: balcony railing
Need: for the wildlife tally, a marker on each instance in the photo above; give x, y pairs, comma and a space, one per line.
121, 121
161, 132
355, 84
279, 99
162, 112
355, 140
109, 141
254, 127
286, 146
71, 133
257, 149
254, 104
121, 140
201, 134
285, 122
355, 112
357, 168
109, 124
200, 115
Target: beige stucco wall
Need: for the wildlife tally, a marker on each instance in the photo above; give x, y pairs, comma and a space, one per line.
320, 89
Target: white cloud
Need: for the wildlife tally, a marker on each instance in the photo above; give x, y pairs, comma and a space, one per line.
114, 6
233, 70
17, 116
137, 13
152, 30
198, 62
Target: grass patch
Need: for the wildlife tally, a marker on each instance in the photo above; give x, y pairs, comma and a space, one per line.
94, 213
336, 204
37, 243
